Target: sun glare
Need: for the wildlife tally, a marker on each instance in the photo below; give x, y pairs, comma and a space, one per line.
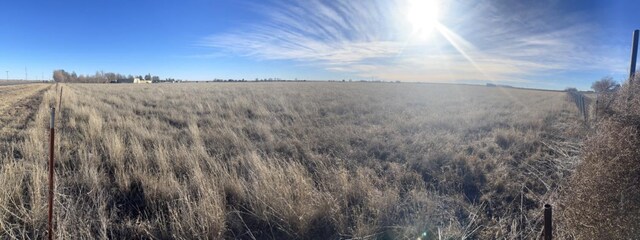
423, 16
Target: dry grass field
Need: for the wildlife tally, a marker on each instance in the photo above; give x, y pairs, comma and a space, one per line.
290, 160
17, 108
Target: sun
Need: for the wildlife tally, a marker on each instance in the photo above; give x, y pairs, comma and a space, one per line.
423, 16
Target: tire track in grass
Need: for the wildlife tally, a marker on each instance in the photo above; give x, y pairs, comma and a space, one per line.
18, 106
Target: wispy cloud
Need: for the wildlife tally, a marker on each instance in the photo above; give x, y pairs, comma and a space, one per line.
478, 41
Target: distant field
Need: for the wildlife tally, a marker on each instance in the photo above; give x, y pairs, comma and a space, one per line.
291, 160
17, 82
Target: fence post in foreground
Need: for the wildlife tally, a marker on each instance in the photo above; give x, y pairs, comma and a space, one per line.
548, 231
51, 171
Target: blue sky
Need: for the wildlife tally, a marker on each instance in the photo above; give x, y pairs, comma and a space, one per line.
544, 44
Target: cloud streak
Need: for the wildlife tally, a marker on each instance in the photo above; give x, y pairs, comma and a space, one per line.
481, 41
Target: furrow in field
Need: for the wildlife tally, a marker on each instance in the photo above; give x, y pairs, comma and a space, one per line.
18, 104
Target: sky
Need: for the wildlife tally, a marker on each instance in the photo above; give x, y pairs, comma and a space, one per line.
551, 44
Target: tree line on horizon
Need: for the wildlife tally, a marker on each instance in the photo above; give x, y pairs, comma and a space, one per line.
61, 75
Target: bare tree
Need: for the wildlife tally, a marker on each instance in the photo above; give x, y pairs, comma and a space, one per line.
606, 84
99, 77
60, 75
111, 77
603, 88
571, 89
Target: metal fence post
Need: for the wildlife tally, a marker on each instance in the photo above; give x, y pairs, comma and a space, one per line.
548, 231
634, 54
51, 170
60, 102
584, 107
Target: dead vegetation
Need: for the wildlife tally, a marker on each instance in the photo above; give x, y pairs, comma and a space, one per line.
292, 160
17, 107
603, 201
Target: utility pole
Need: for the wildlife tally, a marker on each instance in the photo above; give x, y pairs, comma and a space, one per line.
7, 75
26, 76
634, 55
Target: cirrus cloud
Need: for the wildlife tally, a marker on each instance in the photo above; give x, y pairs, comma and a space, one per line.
481, 41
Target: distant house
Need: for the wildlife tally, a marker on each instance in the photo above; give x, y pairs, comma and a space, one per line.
139, 80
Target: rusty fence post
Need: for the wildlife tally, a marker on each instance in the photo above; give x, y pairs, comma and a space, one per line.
548, 230
51, 170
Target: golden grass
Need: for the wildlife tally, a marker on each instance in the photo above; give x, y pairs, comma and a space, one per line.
292, 160
16, 105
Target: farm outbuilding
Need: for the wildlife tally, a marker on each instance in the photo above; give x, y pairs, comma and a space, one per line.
139, 80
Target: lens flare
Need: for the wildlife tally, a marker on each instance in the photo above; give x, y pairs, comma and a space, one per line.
423, 16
